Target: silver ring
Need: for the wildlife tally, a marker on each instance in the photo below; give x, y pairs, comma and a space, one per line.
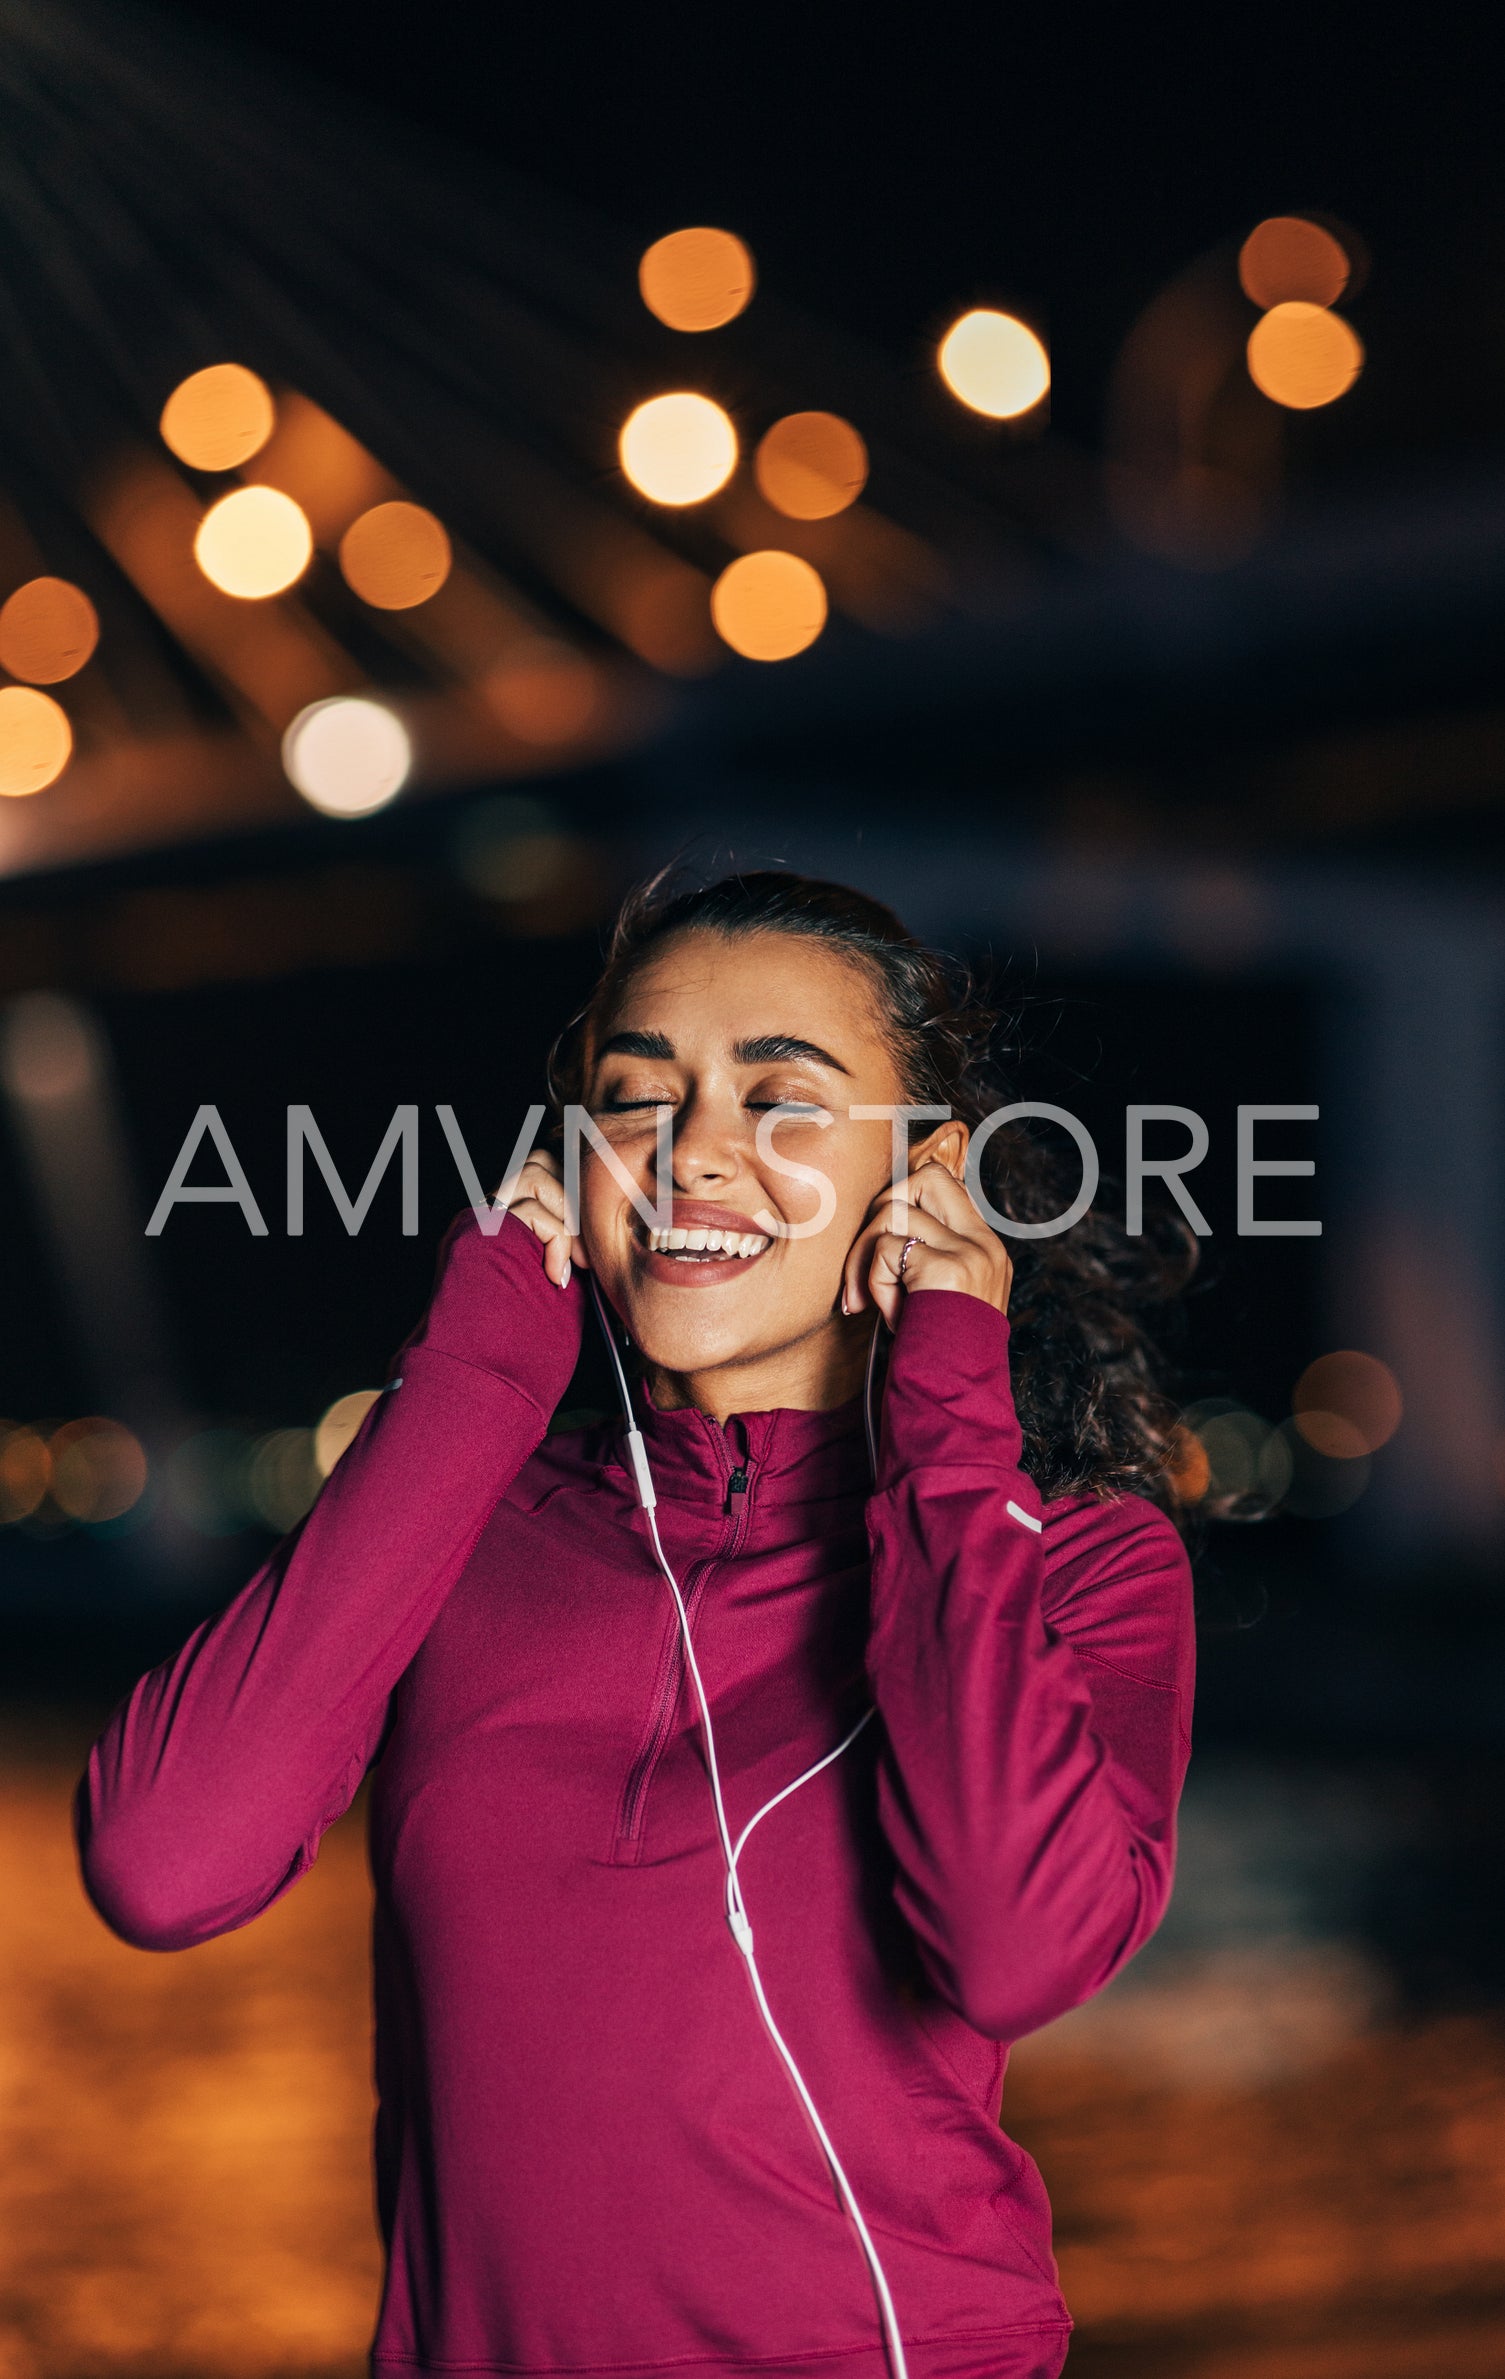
913, 1241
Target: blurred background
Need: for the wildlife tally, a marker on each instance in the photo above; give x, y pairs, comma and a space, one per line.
1050, 474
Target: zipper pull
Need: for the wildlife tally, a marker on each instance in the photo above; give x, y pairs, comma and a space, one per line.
736, 1488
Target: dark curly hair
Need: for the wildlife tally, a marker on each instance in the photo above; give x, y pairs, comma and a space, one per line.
1094, 1416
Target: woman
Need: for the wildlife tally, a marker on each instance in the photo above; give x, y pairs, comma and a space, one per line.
590, 2157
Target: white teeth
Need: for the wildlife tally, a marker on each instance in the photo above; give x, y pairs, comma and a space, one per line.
706, 1241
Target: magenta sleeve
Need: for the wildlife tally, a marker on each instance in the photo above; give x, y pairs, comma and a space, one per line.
207, 1793
1032, 1667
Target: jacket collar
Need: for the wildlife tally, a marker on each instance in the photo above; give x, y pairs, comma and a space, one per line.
791, 1456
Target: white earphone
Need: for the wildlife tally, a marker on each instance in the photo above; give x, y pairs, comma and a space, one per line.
736, 1910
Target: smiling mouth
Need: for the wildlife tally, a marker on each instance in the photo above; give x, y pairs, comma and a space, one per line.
698, 1244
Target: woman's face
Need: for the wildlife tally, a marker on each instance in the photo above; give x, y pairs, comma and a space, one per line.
721, 1029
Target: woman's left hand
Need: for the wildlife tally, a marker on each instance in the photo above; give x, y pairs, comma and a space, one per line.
953, 1247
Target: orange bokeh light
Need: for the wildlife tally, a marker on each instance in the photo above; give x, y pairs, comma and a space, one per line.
48, 629
254, 543
1347, 1404
98, 1469
995, 364
395, 556
219, 418
1287, 257
697, 279
810, 465
36, 741
1189, 1470
1301, 356
25, 1472
768, 606
678, 449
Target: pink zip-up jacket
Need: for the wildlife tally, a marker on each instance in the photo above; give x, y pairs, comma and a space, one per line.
588, 2157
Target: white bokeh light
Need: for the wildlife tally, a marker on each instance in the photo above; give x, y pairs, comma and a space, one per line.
347, 756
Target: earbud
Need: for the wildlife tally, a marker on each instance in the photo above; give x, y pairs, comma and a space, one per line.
642, 1475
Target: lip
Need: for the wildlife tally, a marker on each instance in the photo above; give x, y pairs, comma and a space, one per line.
698, 1213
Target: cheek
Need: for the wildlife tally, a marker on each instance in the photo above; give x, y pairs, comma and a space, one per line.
859, 1168
857, 1171
604, 1214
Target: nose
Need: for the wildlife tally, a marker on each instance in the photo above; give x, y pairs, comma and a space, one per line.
707, 1143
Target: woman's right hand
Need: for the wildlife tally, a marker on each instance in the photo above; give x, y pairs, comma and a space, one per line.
536, 1197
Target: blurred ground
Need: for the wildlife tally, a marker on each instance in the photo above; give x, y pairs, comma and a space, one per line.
1264, 2165
183, 2140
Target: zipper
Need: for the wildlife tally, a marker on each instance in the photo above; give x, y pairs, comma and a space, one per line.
671, 1672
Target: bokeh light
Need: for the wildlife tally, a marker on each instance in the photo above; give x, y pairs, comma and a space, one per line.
48, 629
218, 418
678, 449
254, 543
1253, 1469
1234, 1440
99, 1469
339, 1425
995, 364
1188, 1469
1347, 1404
810, 465
347, 756
25, 1472
1320, 1484
544, 692
36, 741
1287, 257
282, 1477
1301, 356
395, 556
696, 279
1330, 1434
769, 606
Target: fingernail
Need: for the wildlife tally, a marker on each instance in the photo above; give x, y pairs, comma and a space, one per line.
564, 1277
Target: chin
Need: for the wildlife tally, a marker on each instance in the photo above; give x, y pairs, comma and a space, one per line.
703, 1329
682, 1343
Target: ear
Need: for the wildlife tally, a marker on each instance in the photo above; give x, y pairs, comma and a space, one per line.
946, 1145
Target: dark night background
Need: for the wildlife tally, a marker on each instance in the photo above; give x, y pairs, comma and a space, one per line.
1222, 828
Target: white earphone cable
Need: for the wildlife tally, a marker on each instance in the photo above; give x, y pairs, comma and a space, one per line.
736, 1912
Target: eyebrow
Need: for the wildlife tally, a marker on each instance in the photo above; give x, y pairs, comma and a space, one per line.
768, 1049
638, 1045
773, 1049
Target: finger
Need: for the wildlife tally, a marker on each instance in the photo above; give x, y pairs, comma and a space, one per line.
937, 1192
562, 1255
885, 1285
560, 1249
854, 1272
539, 1218
534, 1181
909, 1220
